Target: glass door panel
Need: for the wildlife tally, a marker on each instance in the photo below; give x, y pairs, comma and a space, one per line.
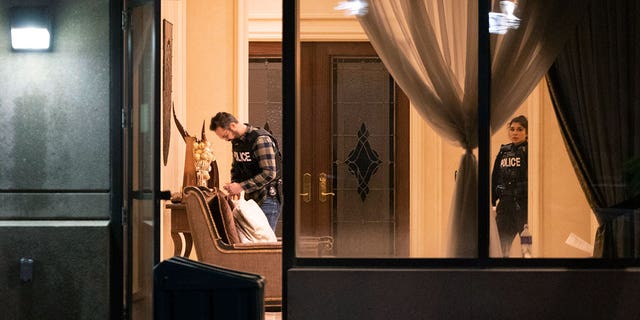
141, 158
361, 179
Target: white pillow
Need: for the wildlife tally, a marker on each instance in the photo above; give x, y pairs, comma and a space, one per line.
251, 222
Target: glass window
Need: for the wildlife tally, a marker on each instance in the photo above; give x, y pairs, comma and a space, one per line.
533, 177
374, 183
534, 187
377, 176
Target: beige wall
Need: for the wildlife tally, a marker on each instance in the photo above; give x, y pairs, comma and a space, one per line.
563, 206
171, 173
210, 70
203, 75
204, 80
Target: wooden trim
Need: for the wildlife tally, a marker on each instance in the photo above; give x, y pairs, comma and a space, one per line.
265, 49
402, 174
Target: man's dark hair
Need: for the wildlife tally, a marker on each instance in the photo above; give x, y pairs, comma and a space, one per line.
222, 120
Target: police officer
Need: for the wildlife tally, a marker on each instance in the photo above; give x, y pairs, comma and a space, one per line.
509, 184
256, 164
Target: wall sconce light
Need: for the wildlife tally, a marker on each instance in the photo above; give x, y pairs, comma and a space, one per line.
30, 28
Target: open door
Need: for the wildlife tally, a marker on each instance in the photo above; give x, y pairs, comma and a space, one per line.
141, 152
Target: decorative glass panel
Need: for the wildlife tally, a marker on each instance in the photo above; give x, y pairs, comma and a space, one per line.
265, 100
265, 94
363, 158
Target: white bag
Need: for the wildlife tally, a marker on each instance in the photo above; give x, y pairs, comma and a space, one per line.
251, 222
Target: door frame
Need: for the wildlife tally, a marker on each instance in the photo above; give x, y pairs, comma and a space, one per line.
116, 278
127, 172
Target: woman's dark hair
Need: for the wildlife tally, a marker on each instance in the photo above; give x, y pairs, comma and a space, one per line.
522, 120
222, 120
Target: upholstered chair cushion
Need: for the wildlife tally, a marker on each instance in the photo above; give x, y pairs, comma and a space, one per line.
222, 215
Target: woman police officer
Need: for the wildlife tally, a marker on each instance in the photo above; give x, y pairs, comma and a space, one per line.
509, 184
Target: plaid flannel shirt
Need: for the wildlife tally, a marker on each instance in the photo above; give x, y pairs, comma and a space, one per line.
264, 150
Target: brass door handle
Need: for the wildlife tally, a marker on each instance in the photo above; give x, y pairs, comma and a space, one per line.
306, 187
322, 184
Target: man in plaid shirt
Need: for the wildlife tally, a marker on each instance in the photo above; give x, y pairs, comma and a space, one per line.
255, 167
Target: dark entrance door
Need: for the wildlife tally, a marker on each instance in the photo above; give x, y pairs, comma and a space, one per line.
354, 151
334, 80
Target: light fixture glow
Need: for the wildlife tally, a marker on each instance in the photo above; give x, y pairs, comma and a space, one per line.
30, 38
353, 7
30, 28
500, 23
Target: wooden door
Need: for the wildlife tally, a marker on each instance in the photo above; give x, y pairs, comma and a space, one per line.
354, 157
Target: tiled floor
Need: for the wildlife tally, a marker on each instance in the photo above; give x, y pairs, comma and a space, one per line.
272, 316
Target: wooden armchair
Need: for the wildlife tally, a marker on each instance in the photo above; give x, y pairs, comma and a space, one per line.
216, 241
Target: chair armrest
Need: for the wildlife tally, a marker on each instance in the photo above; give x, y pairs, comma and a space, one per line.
255, 246
250, 248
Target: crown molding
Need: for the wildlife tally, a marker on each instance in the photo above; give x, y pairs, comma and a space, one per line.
313, 27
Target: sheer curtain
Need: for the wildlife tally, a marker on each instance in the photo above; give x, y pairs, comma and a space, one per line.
595, 85
430, 48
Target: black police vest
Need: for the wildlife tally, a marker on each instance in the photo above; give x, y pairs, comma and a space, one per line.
246, 164
510, 172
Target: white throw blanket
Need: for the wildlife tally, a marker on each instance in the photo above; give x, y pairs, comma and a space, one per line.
251, 222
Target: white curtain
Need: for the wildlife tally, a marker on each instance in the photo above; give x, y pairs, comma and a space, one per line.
430, 48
